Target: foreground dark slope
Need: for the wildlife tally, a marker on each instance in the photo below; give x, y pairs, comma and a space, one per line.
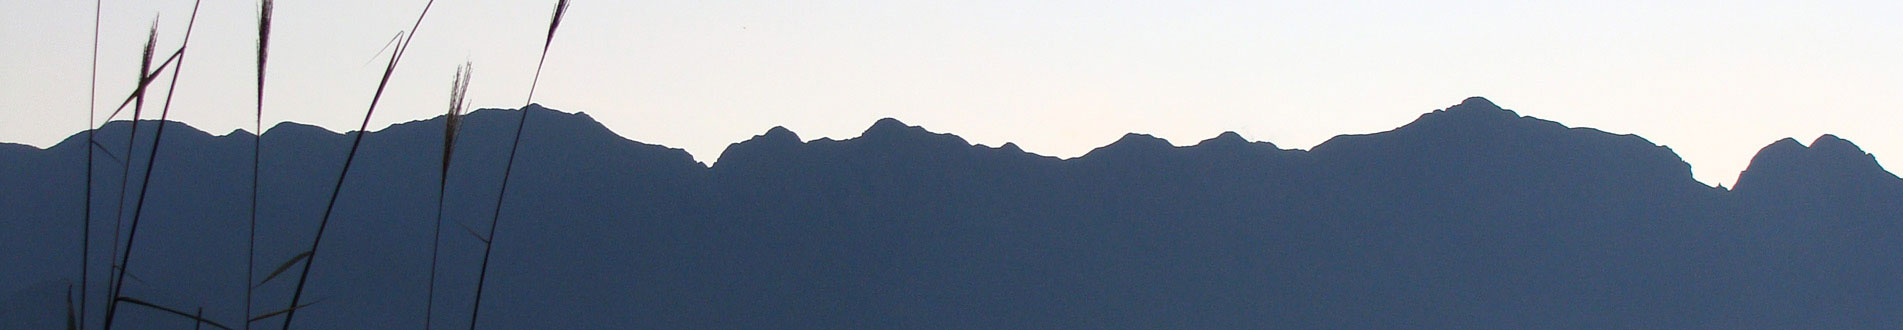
1469, 217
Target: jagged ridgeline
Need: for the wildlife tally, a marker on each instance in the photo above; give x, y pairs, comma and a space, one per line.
1469, 217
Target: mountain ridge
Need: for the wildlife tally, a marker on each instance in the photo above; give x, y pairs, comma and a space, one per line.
1468, 217
1473, 110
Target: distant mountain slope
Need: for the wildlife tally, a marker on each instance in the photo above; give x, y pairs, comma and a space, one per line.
1467, 217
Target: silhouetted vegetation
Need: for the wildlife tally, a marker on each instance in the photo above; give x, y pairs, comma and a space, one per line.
86, 207
145, 183
136, 197
452, 121
495, 219
257, 157
396, 57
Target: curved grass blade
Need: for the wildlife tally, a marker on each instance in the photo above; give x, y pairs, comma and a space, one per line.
349, 157
72, 322
145, 183
137, 302
257, 157
283, 267
86, 207
261, 317
137, 99
482, 273
452, 122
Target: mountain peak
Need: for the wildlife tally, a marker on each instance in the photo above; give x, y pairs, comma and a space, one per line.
893, 129
1477, 102
1475, 119
888, 131
778, 136
1785, 148
1478, 108
1825, 147
779, 133
1828, 158
546, 121
775, 141
889, 126
1833, 145
1144, 141
1226, 139
1131, 144
1011, 147
1788, 142
1482, 141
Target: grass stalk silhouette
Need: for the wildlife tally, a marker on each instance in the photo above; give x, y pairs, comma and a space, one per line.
303, 277
137, 99
482, 274
200, 318
257, 158
72, 321
86, 207
145, 184
452, 122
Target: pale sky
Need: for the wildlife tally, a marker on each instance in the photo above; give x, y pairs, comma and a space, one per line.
1713, 80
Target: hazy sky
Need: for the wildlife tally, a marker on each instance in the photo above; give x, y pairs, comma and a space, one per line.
1713, 80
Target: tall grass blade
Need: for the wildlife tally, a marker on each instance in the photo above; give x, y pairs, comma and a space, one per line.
257, 158
304, 276
283, 267
394, 39
555, 21
137, 96
86, 213
482, 274
137, 99
134, 278
72, 322
261, 317
472, 233
146, 183
148, 304
452, 122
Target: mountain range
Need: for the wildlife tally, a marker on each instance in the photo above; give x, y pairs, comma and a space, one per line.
1469, 217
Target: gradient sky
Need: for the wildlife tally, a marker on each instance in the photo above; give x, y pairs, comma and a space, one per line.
1713, 80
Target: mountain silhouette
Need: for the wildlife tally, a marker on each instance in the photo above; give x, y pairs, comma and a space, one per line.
1473, 216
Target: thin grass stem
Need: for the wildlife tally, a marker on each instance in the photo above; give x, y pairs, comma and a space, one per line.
169, 310
452, 122
86, 213
125, 173
482, 274
362, 130
257, 158
145, 184
137, 99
